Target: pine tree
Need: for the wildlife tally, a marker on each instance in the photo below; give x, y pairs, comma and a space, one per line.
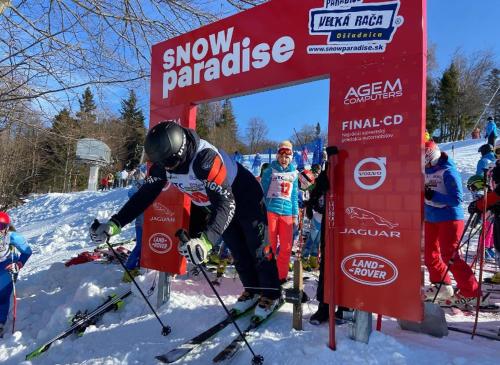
133, 118
227, 126
448, 103
87, 107
59, 152
432, 120
202, 121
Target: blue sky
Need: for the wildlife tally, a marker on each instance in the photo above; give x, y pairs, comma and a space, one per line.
470, 25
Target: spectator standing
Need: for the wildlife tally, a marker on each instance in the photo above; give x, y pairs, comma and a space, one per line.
124, 177
111, 181
257, 161
491, 131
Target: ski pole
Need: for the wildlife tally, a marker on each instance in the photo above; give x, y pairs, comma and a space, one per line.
14, 308
257, 359
165, 329
481, 257
450, 262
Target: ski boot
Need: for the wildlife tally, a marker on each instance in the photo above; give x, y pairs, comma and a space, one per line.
445, 293
321, 315
264, 309
313, 263
245, 301
133, 273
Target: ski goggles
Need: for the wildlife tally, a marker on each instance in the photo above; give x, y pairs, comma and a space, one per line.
4, 226
497, 151
285, 151
476, 186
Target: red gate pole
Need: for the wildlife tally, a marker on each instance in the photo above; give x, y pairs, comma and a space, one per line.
329, 249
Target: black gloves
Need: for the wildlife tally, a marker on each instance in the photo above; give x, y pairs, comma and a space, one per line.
428, 193
473, 209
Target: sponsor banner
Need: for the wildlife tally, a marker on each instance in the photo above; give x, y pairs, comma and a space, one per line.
354, 27
168, 213
374, 53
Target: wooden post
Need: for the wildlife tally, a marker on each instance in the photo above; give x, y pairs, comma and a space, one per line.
298, 286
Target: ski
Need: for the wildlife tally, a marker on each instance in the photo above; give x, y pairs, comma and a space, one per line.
230, 350
81, 321
488, 335
188, 346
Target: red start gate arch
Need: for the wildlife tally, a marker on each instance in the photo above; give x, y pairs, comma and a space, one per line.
374, 53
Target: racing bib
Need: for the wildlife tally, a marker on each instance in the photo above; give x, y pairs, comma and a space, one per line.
281, 185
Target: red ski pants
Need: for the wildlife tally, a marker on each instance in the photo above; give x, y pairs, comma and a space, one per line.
441, 243
281, 229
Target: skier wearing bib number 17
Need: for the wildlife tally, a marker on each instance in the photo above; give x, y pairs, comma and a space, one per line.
231, 194
280, 184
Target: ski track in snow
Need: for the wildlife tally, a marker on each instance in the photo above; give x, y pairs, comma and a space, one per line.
56, 226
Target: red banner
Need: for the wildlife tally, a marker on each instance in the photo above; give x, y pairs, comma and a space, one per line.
374, 54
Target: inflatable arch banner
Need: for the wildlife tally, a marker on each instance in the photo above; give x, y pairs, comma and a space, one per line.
374, 54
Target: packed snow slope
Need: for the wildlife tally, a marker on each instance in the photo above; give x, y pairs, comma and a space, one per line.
56, 226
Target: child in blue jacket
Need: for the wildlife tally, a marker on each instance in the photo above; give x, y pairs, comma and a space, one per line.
280, 185
10, 263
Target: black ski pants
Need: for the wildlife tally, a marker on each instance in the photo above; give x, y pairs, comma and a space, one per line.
247, 236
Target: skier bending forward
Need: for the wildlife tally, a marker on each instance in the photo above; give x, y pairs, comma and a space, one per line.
231, 193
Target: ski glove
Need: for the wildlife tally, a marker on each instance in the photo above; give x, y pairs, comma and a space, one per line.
14, 267
196, 249
472, 208
428, 193
100, 232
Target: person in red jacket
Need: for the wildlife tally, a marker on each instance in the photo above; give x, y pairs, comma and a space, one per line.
491, 202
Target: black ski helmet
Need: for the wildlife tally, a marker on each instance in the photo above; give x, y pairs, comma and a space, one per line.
485, 149
166, 144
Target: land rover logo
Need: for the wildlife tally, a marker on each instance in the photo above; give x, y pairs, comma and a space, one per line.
370, 173
160, 243
368, 269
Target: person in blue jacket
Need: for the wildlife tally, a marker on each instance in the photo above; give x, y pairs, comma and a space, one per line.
10, 263
444, 224
280, 185
491, 131
487, 157
257, 161
133, 261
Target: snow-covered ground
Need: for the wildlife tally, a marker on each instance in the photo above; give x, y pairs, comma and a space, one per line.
56, 226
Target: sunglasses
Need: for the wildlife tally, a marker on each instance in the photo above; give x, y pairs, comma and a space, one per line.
285, 151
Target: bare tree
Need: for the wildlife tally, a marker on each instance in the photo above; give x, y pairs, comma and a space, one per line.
473, 71
305, 135
256, 133
54, 47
